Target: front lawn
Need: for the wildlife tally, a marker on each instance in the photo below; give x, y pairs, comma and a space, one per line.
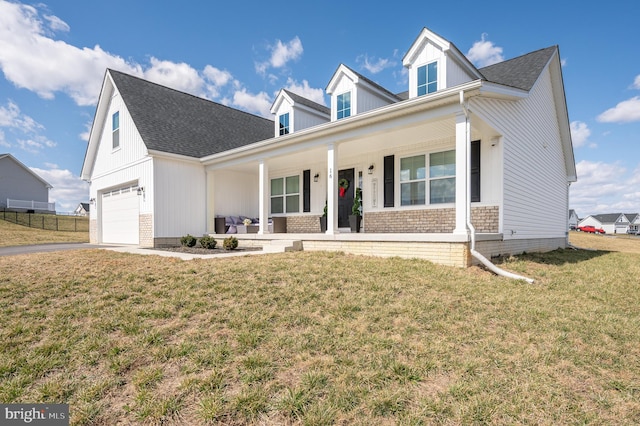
322, 338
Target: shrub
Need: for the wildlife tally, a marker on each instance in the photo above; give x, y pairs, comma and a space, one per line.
208, 242
230, 243
188, 240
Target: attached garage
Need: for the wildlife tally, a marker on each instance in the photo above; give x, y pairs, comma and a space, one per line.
120, 215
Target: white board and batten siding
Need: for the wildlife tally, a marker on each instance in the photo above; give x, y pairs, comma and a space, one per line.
131, 150
116, 175
535, 176
180, 198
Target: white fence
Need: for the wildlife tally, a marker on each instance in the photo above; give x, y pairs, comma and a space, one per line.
31, 205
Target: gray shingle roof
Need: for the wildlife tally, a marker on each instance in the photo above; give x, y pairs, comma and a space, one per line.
175, 122
307, 102
607, 217
521, 72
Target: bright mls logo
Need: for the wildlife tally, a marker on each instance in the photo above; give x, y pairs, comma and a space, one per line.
37, 414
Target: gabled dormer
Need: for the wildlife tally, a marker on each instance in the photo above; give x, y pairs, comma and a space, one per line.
352, 93
436, 64
294, 113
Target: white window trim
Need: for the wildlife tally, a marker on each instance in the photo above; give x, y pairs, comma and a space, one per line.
427, 180
285, 194
350, 92
438, 76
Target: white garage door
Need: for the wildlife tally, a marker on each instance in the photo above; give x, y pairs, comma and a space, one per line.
120, 220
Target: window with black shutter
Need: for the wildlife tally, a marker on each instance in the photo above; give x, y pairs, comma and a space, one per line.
389, 183
475, 171
306, 191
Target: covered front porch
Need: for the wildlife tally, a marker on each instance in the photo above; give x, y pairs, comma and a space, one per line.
425, 171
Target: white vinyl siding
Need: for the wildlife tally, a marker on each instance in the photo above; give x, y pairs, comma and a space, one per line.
535, 178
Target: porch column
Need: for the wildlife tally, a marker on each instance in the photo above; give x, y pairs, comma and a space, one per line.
263, 202
332, 193
210, 200
461, 173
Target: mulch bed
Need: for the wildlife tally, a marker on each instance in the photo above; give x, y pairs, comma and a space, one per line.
200, 250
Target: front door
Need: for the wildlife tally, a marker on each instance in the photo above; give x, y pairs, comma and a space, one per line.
345, 203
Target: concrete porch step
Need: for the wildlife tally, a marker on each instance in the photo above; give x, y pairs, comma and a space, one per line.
282, 246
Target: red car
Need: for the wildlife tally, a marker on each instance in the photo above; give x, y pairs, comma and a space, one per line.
591, 229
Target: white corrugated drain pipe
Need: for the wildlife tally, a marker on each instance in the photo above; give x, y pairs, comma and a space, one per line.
472, 231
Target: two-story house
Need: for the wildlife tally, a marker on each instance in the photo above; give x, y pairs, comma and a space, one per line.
465, 159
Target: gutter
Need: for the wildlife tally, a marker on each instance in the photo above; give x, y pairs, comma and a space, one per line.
472, 231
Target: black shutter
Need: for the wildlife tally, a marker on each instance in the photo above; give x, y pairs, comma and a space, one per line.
389, 183
306, 191
475, 171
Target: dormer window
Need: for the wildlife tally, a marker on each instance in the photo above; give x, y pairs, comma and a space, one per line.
284, 124
344, 105
428, 78
115, 129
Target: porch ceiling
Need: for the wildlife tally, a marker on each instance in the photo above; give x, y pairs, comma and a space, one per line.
390, 139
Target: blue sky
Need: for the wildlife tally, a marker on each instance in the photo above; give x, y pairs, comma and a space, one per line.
53, 57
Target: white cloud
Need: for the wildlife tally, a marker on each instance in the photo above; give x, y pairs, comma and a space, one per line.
3, 141
579, 133
68, 189
625, 112
281, 54
32, 60
374, 65
636, 82
304, 90
57, 24
216, 76
257, 104
484, 52
10, 116
604, 188
285, 52
179, 76
25, 130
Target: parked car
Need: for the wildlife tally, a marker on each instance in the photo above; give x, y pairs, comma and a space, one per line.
591, 229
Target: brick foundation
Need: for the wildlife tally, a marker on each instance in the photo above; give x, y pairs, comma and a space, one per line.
93, 231
145, 230
303, 224
438, 221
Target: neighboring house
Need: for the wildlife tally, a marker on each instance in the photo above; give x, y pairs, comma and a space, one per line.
634, 222
82, 209
611, 223
21, 189
464, 151
573, 219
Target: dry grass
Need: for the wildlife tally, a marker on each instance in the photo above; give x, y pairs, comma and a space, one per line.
321, 338
624, 243
18, 235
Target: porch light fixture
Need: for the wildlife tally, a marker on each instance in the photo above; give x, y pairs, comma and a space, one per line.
141, 190
316, 177
371, 169
92, 200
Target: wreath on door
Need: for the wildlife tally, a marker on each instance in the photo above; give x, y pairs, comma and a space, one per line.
343, 185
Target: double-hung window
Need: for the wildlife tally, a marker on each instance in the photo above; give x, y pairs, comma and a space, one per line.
344, 105
284, 124
285, 195
412, 180
115, 129
440, 181
442, 177
428, 78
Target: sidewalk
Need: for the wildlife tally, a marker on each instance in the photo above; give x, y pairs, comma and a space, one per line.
41, 248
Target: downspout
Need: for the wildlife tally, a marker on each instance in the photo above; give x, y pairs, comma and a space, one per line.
472, 231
